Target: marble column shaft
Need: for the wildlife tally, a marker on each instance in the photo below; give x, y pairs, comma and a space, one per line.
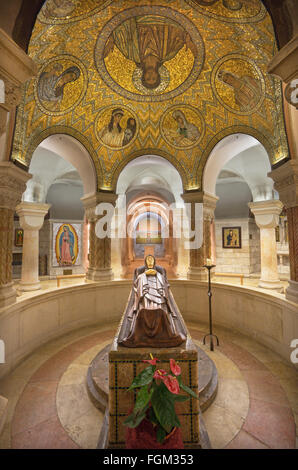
267, 217
12, 185
199, 256
286, 183
31, 220
99, 248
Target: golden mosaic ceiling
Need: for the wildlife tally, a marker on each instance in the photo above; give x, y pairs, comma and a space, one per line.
129, 77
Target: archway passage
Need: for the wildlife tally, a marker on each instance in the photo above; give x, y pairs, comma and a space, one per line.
147, 188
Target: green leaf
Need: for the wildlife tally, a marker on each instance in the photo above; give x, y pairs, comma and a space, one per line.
143, 398
152, 416
163, 408
144, 378
132, 421
181, 398
160, 434
188, 390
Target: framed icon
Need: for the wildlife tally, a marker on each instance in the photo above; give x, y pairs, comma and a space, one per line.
18, 237
231, 237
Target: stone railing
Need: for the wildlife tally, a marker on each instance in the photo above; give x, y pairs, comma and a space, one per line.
29, 323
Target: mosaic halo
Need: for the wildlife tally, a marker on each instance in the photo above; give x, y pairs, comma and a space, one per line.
128, 133
238, 84
161, 12
230, 11
60, 85
192, 124
69, 11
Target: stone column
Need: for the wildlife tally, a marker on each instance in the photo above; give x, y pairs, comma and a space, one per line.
198, 256
99, 248
12, 185
31, 220
286, 183
267, 217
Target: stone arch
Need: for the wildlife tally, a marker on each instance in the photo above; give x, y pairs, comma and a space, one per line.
90, 169
226, 150
240, 129
144, 152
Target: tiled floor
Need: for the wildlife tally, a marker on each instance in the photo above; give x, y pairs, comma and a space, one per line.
256, 405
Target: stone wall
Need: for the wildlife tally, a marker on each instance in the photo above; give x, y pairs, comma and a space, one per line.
244, 260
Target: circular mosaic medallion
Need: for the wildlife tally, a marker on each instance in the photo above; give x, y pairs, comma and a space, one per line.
238, 84
68, 11
116, 127
149, 53
231, 11
60, 85
182, 126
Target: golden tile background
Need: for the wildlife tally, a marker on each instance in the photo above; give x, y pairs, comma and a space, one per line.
223, 32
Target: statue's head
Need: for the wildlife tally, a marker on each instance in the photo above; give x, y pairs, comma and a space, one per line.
150, 261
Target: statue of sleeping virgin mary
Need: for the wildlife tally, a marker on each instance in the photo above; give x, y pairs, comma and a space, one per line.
152, 317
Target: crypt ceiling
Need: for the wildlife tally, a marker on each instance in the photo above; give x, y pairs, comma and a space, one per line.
128, 78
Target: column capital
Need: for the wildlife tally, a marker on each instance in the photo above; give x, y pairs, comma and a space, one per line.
15, 68
92, 200
285, 180
266, 212
12, 184
32, 215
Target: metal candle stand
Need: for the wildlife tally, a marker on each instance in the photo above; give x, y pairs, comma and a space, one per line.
210, 310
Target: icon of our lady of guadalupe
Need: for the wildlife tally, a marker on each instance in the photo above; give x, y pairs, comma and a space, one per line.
152, 317
66, 247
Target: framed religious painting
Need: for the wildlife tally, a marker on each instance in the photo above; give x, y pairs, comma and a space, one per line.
231, 237
18, 237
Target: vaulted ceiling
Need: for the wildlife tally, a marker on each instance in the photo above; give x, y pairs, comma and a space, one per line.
170, 78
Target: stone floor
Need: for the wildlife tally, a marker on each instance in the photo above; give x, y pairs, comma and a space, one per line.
256, 406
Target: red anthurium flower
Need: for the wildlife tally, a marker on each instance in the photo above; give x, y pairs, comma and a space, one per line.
174, 367
171, 383
152, 361
159, 374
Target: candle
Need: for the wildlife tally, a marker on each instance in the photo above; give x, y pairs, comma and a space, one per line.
209, 262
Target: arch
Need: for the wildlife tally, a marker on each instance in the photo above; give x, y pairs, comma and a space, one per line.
224, 155
229, 131
144, 153
89, 168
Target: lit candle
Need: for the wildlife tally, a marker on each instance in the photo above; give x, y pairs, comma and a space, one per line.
209, 262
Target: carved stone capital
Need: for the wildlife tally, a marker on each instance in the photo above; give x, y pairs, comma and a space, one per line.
91, 202
266, 213
32, 215
12, 185
286, 183
15, 68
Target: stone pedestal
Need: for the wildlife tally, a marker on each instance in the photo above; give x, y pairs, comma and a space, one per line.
31, 220
126, 363
99, 248
267, 217
199, 256
12, 185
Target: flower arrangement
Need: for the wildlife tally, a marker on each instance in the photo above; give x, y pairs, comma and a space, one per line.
156, 398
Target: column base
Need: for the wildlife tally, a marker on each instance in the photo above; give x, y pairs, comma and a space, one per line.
28, 286
198, 274
8, 295
292, 292
273, 285
100, 274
